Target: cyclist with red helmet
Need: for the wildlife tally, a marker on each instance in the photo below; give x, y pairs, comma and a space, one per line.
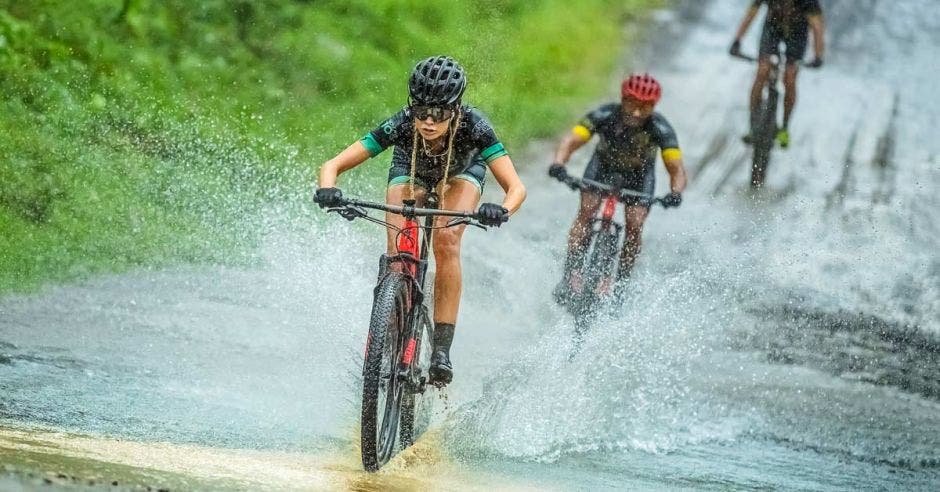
787, 22
629, 136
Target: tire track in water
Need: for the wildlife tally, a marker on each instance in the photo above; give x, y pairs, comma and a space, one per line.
884, 158
849, 345
836, 197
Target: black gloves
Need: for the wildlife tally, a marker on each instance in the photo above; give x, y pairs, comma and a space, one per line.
557, 171
816, 63
672, 200
735, 48
491, 214
328, 197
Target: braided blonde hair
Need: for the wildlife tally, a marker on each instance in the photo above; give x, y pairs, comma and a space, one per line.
455, 123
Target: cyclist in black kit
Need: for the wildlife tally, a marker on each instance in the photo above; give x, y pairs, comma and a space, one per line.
787, 22
439, 143
631, 134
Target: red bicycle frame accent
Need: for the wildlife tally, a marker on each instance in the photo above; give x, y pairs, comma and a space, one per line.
610, 207
410, 249
408, 355
408, 243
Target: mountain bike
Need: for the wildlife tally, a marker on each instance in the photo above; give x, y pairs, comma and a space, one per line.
764, 122
598, 273
398, 346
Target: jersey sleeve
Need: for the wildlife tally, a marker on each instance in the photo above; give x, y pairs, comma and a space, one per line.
388, 133
588, 125
484, 138
666, 138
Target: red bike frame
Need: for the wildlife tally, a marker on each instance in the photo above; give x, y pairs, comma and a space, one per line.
610, 207
410, 249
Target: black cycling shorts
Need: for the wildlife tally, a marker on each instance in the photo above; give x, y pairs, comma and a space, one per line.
642, 180
475, 173
795, 43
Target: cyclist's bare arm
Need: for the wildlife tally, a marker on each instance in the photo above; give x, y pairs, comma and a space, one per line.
746, 22
672, 158
818, 26
573, 141
349, 158
505, 174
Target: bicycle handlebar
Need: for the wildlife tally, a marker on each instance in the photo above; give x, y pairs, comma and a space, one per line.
351, 208
744, 57
408, 210
622, 194
753, 59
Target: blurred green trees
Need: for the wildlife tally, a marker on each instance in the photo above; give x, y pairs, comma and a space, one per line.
153, 132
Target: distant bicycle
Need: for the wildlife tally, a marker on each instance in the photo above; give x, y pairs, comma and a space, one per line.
398, 347
763, 124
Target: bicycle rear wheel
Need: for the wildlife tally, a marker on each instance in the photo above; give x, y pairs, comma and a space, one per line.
381, 388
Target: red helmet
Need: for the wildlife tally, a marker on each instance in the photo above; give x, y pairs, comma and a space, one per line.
642, 87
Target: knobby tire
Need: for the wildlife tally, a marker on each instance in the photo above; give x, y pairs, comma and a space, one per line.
764, 136
379, 372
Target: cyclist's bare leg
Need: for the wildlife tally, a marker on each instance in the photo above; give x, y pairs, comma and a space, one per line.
395, 195
764, 66
460, 194
578, 234
789, 98
633, 242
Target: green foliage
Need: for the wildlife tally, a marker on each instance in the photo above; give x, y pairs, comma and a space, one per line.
152, 132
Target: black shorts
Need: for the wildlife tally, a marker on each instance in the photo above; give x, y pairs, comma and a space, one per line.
475, 173
641, 180
795, 43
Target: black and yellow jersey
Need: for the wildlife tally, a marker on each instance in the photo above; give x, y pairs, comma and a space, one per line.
624, 148
475, 144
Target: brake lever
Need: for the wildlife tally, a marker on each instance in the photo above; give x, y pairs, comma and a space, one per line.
348, 212
463, 220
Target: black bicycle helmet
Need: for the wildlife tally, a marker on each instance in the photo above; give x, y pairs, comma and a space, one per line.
437, 81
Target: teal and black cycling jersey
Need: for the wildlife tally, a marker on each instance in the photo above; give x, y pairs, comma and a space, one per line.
475, 147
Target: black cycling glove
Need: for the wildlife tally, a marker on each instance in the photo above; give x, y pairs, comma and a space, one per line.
816, 63
328, 197
672, 200
557, 171
491, 214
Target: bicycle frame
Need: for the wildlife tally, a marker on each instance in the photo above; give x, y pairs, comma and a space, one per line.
397, 369
413, 245
605, 234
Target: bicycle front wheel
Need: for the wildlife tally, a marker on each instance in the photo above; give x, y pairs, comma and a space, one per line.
381, 387
764, 134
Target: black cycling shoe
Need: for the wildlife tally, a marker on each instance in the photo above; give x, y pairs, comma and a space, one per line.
441, 371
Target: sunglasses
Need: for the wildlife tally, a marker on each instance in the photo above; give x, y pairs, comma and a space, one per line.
436, 113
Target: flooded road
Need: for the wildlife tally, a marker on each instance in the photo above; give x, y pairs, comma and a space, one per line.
789, 340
